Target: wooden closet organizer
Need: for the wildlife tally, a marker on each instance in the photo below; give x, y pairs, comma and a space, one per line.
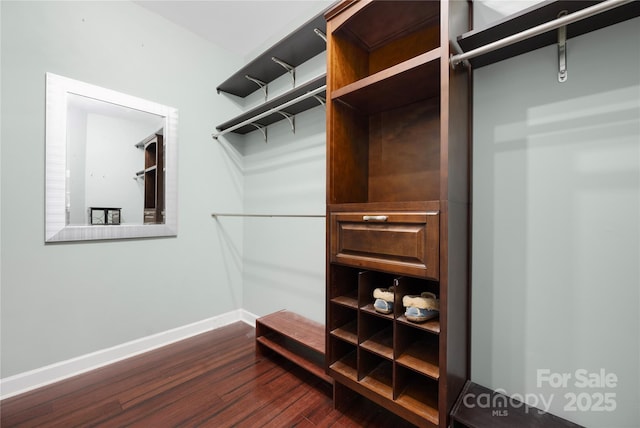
397, 203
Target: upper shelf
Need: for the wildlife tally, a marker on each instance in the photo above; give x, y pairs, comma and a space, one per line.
539, 14
395, 86
298, 47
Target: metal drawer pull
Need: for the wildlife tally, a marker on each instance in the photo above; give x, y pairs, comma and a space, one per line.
375, 218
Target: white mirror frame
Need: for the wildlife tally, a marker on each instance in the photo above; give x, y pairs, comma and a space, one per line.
56, 228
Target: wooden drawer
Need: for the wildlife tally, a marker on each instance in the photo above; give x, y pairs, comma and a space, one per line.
405, 243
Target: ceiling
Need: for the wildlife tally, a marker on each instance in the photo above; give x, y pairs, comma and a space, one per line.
242, 27
248, 27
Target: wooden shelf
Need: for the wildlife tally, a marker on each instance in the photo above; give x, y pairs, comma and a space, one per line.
371, 310
421, 357
379, 380
293, 357
432, 325
295, 108
346, 366
298, 47
296, 338
405, 83
350, 301
380, 343
535, 15
419, 399
348, 333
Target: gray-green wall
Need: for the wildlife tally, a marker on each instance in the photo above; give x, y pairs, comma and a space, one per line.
556, 227
66, 300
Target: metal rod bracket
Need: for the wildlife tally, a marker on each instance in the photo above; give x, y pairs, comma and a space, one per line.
562, 50
290, 69
587, 12
260, 83
262, 129
320, 34
321, 100
290, 118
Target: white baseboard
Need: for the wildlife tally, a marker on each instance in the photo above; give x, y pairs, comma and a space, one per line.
23, 382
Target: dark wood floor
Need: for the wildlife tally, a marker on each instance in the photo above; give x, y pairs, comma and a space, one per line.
211, 380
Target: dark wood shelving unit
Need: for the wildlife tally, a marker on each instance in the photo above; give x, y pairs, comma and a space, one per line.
397, 204
535, 15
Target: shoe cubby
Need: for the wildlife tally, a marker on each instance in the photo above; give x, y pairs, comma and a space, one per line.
417, 393
375, 373
413, 286
368, 281
384, 354
343, 283
376, 335
344, 324
342, 360
417, 350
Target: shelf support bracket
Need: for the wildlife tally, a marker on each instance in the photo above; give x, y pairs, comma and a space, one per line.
290, 118
321, 100
260, 83
262, 129
320, 34
290, 69
562, 50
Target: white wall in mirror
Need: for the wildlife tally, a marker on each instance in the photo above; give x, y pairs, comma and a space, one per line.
95, 158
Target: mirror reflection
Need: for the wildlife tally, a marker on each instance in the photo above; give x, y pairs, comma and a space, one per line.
114, 163
111, 164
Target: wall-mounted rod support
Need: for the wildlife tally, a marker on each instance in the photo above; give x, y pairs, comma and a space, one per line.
291, 70
290, 118
540, 29
262, 129
260, 83
320, 34
321, 100
562, 50
271, 111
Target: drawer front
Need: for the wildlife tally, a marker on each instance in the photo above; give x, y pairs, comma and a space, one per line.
402, 243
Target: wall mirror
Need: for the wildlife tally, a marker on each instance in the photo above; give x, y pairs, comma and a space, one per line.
111, 164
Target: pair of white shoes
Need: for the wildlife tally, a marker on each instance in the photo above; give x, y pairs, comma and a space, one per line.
418, 308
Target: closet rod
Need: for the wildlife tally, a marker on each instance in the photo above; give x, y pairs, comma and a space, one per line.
271, 111
534, 31
265, 215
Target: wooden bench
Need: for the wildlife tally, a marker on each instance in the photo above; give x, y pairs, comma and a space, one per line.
296, 338
470, 411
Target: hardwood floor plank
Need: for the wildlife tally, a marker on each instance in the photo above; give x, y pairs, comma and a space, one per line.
215, 379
